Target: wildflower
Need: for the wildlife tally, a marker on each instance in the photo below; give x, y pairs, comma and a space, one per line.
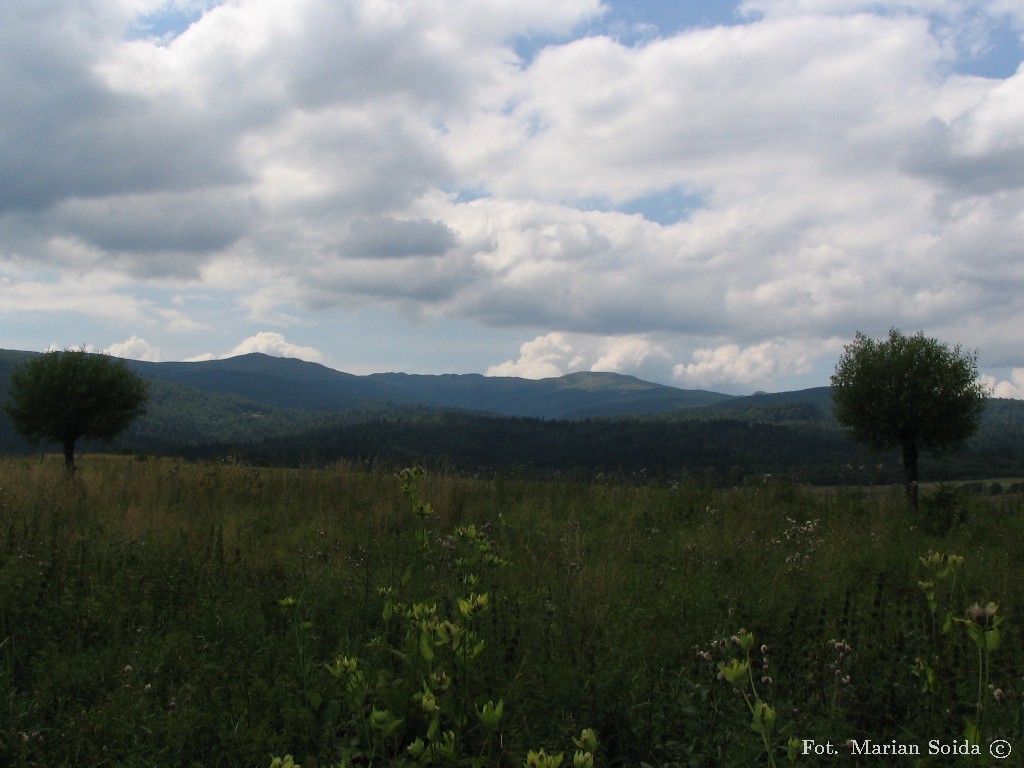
416, 749
428, 702
734, 671
473, 604
983, 615
587, 740
343, 665
439, 681
490, 715
379, 718
542, 760
764, 718
744, 639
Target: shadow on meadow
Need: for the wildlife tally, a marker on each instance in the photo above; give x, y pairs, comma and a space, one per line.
163, 613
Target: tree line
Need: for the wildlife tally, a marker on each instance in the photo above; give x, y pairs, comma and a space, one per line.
901, 394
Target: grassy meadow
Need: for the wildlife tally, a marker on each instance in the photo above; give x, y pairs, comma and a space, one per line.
160, 613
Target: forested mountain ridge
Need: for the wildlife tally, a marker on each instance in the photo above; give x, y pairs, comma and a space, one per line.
282, 411
297, 384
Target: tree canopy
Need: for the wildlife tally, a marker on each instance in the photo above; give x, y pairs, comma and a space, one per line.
908, 392
64, 396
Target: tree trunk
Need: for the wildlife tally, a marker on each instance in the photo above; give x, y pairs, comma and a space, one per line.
69, 456
910, 471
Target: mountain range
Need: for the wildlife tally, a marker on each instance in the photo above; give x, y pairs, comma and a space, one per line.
283, 410
291, 383
278, 382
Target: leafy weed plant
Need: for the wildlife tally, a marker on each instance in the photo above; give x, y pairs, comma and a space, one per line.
945, 596
416, 695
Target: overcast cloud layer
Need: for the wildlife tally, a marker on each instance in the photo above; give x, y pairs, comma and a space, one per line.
520, 188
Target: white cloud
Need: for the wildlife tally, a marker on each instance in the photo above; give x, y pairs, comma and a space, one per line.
1012, 10
756, 366
629, 354
274, 344
556, 354
179, 322
545, 357
829, 170
1012, 388
135, 348
725, 368
97, 294
736, 110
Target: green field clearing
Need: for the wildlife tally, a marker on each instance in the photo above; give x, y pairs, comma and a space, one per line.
163, 613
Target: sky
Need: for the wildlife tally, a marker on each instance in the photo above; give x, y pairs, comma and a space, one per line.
712, 195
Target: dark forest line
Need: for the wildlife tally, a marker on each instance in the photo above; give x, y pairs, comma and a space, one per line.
725, 451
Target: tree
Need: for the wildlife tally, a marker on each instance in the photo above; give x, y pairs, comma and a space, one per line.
63, 396
908, 392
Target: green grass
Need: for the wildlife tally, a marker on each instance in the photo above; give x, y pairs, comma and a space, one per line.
141, 621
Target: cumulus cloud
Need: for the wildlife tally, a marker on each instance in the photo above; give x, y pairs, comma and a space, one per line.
754, 365
135, 348
726, 367
69, 134
683, 206
979, 152
1012, 388
275, 344
545, 357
